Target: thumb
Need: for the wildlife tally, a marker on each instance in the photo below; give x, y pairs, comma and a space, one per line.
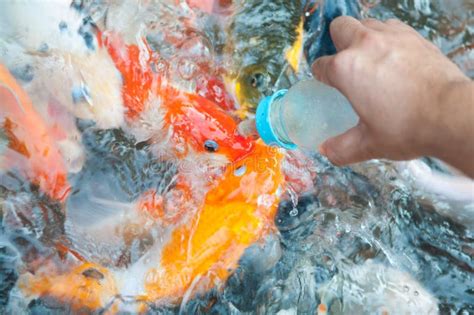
350, 147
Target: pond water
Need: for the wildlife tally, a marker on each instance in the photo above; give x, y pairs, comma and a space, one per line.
125, 187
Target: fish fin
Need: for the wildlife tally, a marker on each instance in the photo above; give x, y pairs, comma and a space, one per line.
293, 54
29, 136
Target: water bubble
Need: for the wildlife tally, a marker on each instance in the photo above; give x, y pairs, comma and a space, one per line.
240, 171
160, 67
62, 26
294, 212
186, 69
43, 48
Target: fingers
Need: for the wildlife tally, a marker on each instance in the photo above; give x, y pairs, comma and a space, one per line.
351, 147
399, 25
321, 69
336, 71
374, 24
344, 30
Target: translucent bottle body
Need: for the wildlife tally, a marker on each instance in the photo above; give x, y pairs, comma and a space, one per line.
310, 113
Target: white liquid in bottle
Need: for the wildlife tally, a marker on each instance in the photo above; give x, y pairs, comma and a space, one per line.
305, 116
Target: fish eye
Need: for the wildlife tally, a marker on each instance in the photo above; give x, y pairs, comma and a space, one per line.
257, 80
211, 146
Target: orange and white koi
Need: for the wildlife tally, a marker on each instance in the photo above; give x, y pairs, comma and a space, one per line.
192, 118
32, 150
199, 254
201, 251
55, 43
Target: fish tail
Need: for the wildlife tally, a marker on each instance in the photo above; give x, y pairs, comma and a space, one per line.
293, 55
32, 148
134, 64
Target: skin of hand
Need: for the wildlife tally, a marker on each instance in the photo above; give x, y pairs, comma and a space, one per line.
412, 100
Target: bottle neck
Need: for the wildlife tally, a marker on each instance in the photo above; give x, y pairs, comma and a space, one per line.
277, 121
269, 121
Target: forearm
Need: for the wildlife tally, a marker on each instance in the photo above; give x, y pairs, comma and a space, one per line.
454, 132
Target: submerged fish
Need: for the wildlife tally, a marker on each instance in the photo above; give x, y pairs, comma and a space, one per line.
52, 47
31, 148
198, 255
198, 251
239, 211
265, 39
188, 118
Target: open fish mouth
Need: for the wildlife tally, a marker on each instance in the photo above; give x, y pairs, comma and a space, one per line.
254, 83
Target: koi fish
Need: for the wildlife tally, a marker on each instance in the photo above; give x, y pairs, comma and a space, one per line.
192, 118
239, 211
86, 286
52, 47
199, 254
213, 88
200, 251
259, 61
31, 148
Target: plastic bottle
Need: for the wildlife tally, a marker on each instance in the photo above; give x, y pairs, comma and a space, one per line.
304, 116
312, 112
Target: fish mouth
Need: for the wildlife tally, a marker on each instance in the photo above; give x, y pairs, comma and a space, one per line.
249, 101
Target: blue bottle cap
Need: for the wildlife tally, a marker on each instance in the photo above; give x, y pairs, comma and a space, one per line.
263, 122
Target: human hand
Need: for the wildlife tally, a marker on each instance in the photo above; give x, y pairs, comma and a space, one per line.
411, 99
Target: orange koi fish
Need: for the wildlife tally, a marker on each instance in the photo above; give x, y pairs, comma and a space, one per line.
201, 251
200, 254
32, 149
194, 119
239, 211
86, 286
